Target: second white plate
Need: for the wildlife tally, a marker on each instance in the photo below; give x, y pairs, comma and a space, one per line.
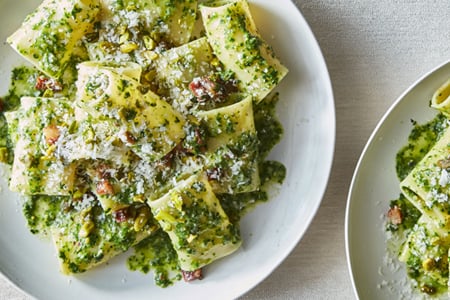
375, 183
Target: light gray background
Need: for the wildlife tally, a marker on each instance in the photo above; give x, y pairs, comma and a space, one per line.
374, 50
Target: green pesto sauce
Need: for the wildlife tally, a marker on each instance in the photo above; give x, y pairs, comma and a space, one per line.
40, 212
267, 125
237, 205
23, 81
420, 141
157, 254
5, 143
271, 172
410, 215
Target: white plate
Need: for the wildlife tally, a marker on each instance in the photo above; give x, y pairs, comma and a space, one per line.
375, 183
270, 232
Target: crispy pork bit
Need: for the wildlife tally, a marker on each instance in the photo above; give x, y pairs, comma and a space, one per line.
212, 88
45, 83
203, 89
51, 134
104, 187
395, 215
122, 215
130, 138
192, 275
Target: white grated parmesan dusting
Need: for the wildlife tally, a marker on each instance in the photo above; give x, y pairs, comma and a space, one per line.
435, 196
84, 203
236, 167
132, 17
444, 179
391, 269
433, 179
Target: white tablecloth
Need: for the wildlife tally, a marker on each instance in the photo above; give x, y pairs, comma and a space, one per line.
374, 50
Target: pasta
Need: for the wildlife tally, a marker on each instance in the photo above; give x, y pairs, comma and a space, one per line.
235, 40
130, 130
422, 214
441, 99
426, 185
35, 169
178, 67
150, 126
197, 242
49, 36
230, 126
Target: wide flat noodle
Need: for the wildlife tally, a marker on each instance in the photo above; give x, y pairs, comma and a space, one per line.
143, 122
235, 40
428, 184
441, 99
36, 167
232, 158
146, 134
177, 67
426, 253
87, 238
132, 30
49, 36
196, 223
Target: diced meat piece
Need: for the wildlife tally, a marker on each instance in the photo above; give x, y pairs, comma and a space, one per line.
203, 88
192, 275
51, 134
212, 88
103, 171
130, 138
45, 83
122, 215
104, 187
395, 215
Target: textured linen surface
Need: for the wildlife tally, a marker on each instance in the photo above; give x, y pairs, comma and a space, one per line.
374, 50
